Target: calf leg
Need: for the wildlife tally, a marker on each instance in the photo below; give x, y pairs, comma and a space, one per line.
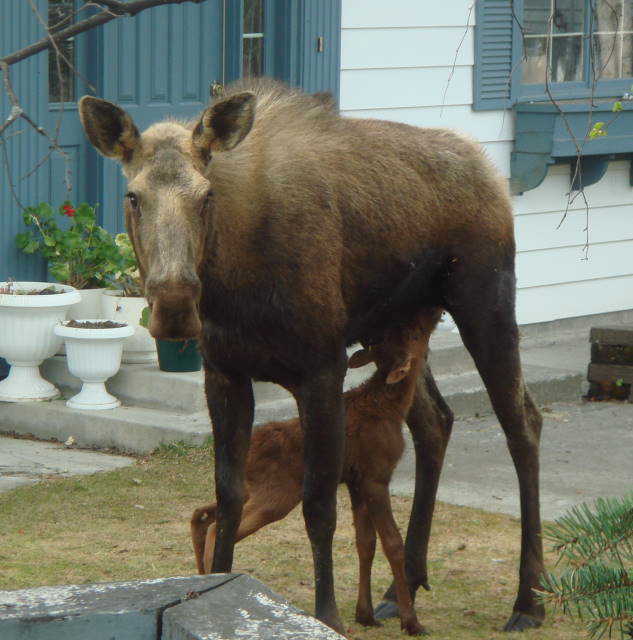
366, 549
259, 510
489, 331
430, 421
201, 520
376, 496
231, 407
322, 416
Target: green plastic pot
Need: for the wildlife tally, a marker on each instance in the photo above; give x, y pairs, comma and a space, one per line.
178, 355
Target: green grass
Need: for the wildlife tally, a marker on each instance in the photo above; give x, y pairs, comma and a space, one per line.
134, 523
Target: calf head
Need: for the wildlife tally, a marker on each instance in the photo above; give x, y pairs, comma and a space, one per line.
169, 198
401, 348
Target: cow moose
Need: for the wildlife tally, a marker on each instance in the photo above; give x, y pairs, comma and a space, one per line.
279, 232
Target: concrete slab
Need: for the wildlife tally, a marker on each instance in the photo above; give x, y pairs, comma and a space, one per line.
245, 608
122, 610
585, 454
27, 461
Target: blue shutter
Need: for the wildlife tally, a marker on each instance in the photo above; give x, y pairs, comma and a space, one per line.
494, 46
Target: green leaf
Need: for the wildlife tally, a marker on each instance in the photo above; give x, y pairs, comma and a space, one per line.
617, 106
145, 315
597, 131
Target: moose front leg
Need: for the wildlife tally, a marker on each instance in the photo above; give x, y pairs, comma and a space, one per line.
231, 407
322, 419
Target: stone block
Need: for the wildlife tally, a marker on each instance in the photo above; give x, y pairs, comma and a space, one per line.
243, 608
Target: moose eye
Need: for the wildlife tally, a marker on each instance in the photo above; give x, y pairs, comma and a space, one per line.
132, 199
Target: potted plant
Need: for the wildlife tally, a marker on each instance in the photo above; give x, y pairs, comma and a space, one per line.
175, 355
125, 303
80, 253
28, 313
93, 351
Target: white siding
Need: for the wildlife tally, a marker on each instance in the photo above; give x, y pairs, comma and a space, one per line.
400, 61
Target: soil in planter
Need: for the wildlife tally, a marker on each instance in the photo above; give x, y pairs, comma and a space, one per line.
49, 291
85, 324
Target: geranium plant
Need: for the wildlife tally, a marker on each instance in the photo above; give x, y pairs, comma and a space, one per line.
83, 255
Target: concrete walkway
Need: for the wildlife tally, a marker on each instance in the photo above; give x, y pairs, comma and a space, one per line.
586, 453
28, 461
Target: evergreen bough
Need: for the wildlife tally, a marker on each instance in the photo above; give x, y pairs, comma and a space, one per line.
595, 544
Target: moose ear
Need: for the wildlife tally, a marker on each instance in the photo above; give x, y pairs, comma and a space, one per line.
360, 359
109, 128
399, 373
225, 124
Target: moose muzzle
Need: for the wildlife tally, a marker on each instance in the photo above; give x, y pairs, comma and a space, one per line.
174, 310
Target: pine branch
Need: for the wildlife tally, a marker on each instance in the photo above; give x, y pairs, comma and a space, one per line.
583, 536
597, 586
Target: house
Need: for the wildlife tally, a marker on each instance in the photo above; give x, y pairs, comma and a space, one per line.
475, 66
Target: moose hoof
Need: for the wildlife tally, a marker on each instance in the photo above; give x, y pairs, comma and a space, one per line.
521, 621
415, 629
367, 620
386, 609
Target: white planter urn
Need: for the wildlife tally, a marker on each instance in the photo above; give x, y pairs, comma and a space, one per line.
27, 338
93, 355
140, 348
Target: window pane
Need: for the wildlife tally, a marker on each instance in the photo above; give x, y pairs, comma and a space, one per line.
566, 59
536, 15
253, 16
569, 16
61, 79
253, 60
606, 55
534, 65
607, 16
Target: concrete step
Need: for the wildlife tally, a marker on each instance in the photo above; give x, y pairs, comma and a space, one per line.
141, 429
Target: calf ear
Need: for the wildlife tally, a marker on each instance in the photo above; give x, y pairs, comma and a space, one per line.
109, 128
399, 373
359, 359
225, 124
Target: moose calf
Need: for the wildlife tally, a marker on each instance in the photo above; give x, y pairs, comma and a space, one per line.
375, 412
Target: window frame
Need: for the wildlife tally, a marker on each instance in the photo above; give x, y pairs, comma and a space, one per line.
521, 92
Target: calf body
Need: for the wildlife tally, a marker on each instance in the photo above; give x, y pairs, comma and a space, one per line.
279, 233
375, 412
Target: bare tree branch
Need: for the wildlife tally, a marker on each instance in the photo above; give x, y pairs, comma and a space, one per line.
114, 9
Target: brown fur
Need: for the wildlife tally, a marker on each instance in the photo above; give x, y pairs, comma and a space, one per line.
280, 232
375, 412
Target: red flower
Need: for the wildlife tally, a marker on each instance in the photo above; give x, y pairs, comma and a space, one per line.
69, 211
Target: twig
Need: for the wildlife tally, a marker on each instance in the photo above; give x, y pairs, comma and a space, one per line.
114, 9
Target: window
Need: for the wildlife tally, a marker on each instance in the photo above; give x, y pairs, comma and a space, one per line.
61, 77
582, 47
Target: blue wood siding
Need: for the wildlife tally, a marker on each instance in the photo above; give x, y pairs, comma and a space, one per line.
22, 146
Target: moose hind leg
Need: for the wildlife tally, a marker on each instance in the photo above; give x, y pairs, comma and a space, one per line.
430, 421
488, 328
